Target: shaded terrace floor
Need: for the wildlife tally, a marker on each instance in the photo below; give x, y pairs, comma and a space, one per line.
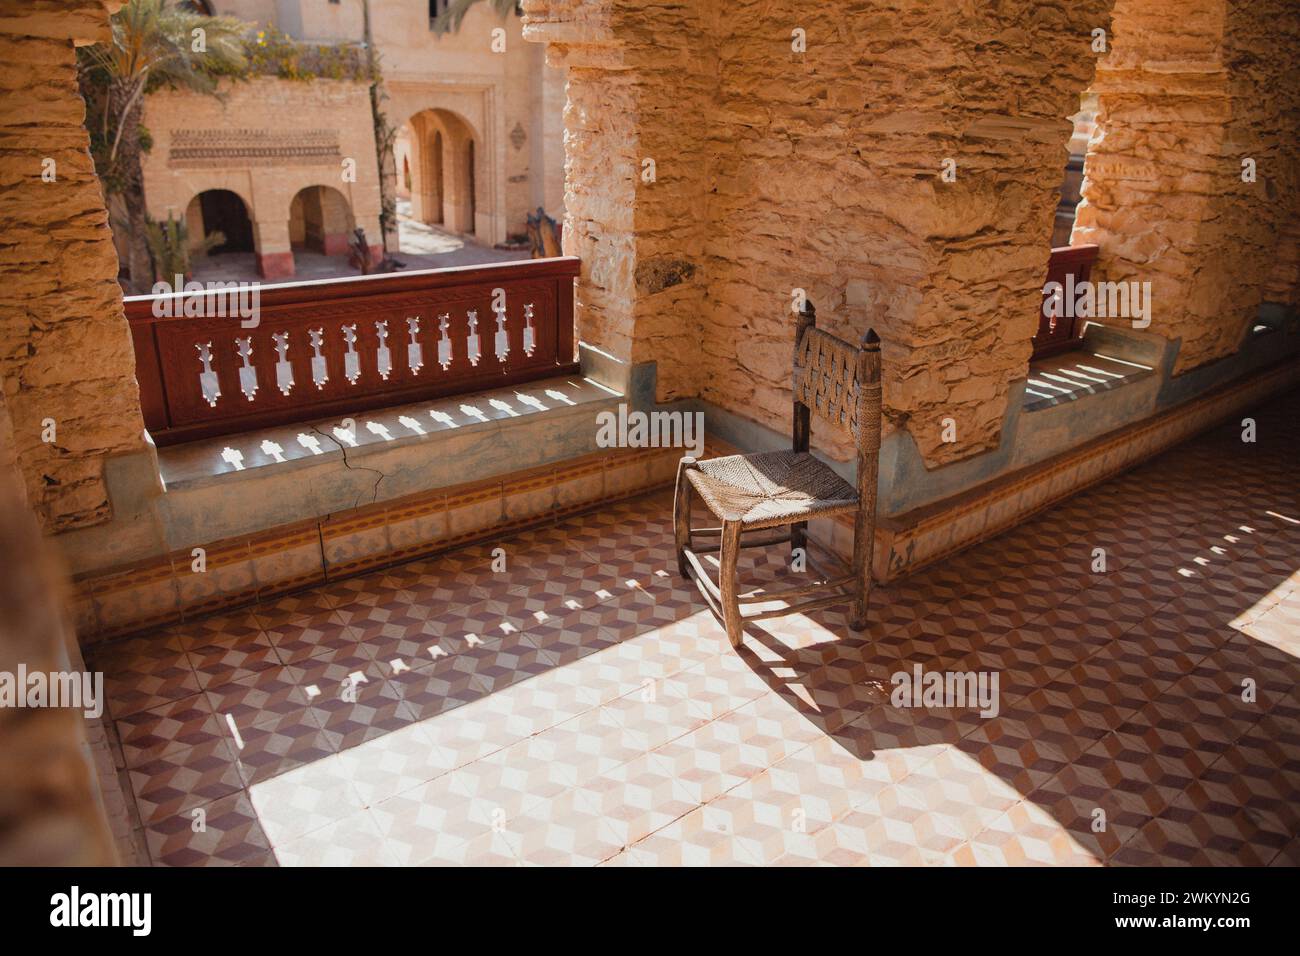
587, 708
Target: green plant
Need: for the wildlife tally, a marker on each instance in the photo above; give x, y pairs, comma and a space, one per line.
155, 44
450, 19
169, 244
273, 53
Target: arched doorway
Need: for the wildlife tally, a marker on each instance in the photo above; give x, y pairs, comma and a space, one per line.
320, 221
443, 181
220, 211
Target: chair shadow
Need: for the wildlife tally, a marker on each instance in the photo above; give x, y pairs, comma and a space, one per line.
1129, 690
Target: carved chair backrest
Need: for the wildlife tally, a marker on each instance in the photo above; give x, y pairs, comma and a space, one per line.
837, 381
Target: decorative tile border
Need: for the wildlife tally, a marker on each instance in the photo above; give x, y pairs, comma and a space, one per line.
278, 561
929, 534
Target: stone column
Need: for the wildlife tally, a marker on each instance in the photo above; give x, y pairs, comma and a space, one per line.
66, 359
1192, 95
640, 79
274, 252
805, 148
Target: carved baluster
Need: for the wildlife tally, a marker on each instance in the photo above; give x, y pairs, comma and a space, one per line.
319, 370
208, 378
351, 360
471, 341
530, 336
501, 341
384, 358
444, 343
414, 351
283, 368
247, 373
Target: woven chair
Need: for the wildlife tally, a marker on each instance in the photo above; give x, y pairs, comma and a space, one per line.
784, 489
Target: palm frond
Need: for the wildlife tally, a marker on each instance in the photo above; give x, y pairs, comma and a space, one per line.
158, 43
450, 19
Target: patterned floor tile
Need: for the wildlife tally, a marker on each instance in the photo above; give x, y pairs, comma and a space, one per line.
225, 832
136, 681
172, 726
392, 763
300, 638
279, 745
304, 799
583, 706
353, 841
563, 831
1026, 835
220, 663
183, 779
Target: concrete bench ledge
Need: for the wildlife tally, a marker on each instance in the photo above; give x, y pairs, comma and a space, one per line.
294, 473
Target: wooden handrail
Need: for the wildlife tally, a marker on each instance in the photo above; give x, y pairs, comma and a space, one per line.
337, 346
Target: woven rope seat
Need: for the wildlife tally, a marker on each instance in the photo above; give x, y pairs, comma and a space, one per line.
779, 492
771, 488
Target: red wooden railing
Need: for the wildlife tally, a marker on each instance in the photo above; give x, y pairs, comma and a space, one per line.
336, 346
1058, 330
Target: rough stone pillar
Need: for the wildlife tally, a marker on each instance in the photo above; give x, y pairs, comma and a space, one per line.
804, 147
1189, 91
51, 810
640, 80
63, 351
66, 359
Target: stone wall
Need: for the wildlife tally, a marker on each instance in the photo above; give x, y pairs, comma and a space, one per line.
805, 148
833, 183
1189, 90
640, 77
496, 92
64, 355
820, 170
65, 352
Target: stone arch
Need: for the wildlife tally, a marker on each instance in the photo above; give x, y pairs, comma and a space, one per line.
444, 178
225, 211
321, 220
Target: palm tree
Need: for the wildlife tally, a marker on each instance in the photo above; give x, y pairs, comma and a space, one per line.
156, 44
448, 21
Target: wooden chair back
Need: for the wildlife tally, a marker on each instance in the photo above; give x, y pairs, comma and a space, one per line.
837, 381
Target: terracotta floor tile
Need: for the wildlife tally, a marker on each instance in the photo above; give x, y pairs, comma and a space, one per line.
172, 726
183, 779
304, 799
226, 833
583, 706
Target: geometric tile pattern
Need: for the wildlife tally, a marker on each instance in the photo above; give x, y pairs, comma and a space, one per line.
583, 706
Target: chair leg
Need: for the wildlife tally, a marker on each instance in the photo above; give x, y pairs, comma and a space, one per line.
863, 537
798, 538
682, 514
727, 582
